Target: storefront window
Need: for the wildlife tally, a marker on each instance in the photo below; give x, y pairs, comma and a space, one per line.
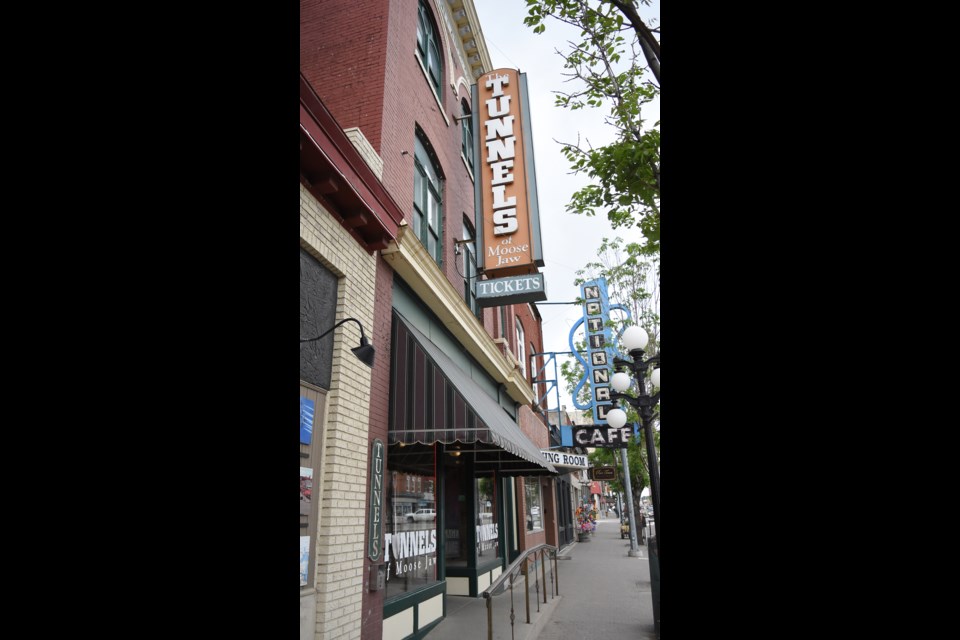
488, 545
532, 500
456, 514
410, 530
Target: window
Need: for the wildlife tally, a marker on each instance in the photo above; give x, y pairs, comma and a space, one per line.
520, 349
312, 401
428, 46
488, 545
533, 364
427, 199
466, 129
532, 503
410, 550
503, 322
470, 270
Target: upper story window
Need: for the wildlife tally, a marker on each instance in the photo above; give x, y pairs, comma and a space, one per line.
521, 356
466, 129
427, 200
470, 269
428, 45
533, 364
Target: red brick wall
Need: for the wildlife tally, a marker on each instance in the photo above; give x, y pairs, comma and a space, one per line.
410, 102
342, 55
372, 614
365, 70
360, 59
533, 426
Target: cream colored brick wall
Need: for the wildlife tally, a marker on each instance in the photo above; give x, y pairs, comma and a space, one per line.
361, 144
339, 550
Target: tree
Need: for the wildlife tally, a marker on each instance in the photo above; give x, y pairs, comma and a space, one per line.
632, 276
636, 462
607, 62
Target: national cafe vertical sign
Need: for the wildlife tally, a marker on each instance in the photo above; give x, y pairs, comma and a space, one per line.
600, 347
509, 248
597, 369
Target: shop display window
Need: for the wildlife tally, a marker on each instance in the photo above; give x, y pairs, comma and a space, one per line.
410, 550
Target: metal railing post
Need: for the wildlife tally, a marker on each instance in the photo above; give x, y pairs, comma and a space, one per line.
513, 615
542, 553
556, 572
490, 618
526, 587
543, 570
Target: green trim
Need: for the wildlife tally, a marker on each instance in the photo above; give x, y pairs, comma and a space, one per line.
490, 565
421, 633
440, 499
411, 598
510, 518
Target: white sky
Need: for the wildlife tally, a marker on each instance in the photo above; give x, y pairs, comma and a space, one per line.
569, 240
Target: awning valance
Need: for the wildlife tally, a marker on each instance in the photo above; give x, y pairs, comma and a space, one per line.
434, 400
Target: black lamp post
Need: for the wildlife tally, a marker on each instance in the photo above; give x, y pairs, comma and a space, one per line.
634, 341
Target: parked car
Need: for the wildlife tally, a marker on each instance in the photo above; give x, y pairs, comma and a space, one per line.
422, 515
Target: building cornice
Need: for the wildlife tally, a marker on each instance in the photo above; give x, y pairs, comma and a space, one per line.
411, 262
470, 34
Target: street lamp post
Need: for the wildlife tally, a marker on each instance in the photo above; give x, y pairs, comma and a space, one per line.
634, 341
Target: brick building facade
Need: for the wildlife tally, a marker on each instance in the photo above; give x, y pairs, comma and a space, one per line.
387, 208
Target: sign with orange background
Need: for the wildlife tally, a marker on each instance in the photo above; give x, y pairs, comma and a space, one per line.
508, 243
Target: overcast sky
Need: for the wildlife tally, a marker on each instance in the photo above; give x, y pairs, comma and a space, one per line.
569, 241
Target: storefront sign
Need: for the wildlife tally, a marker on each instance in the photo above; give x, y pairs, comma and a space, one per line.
486, 537
598, 365
506, 189
306, 420
596, 310
602, 436
411, 552
376, 499
513, 290
560, 459
603, 473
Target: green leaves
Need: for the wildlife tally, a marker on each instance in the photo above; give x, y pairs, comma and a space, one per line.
611, 71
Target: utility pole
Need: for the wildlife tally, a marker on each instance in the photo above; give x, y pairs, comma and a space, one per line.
634, 551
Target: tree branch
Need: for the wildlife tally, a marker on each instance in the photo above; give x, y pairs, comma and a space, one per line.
649, 44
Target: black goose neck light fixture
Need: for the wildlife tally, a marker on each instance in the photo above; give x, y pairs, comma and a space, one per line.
364, 352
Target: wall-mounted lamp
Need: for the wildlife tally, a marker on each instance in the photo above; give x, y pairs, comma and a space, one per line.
455, 451
364, 352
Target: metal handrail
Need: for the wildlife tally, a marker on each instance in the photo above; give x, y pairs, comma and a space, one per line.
541, 551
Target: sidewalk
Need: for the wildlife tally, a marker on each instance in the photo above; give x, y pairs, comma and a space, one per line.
606, 592
603, 593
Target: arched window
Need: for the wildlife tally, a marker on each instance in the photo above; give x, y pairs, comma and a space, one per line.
533, 365
467, 134
428, 46
427, 199
521, 350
